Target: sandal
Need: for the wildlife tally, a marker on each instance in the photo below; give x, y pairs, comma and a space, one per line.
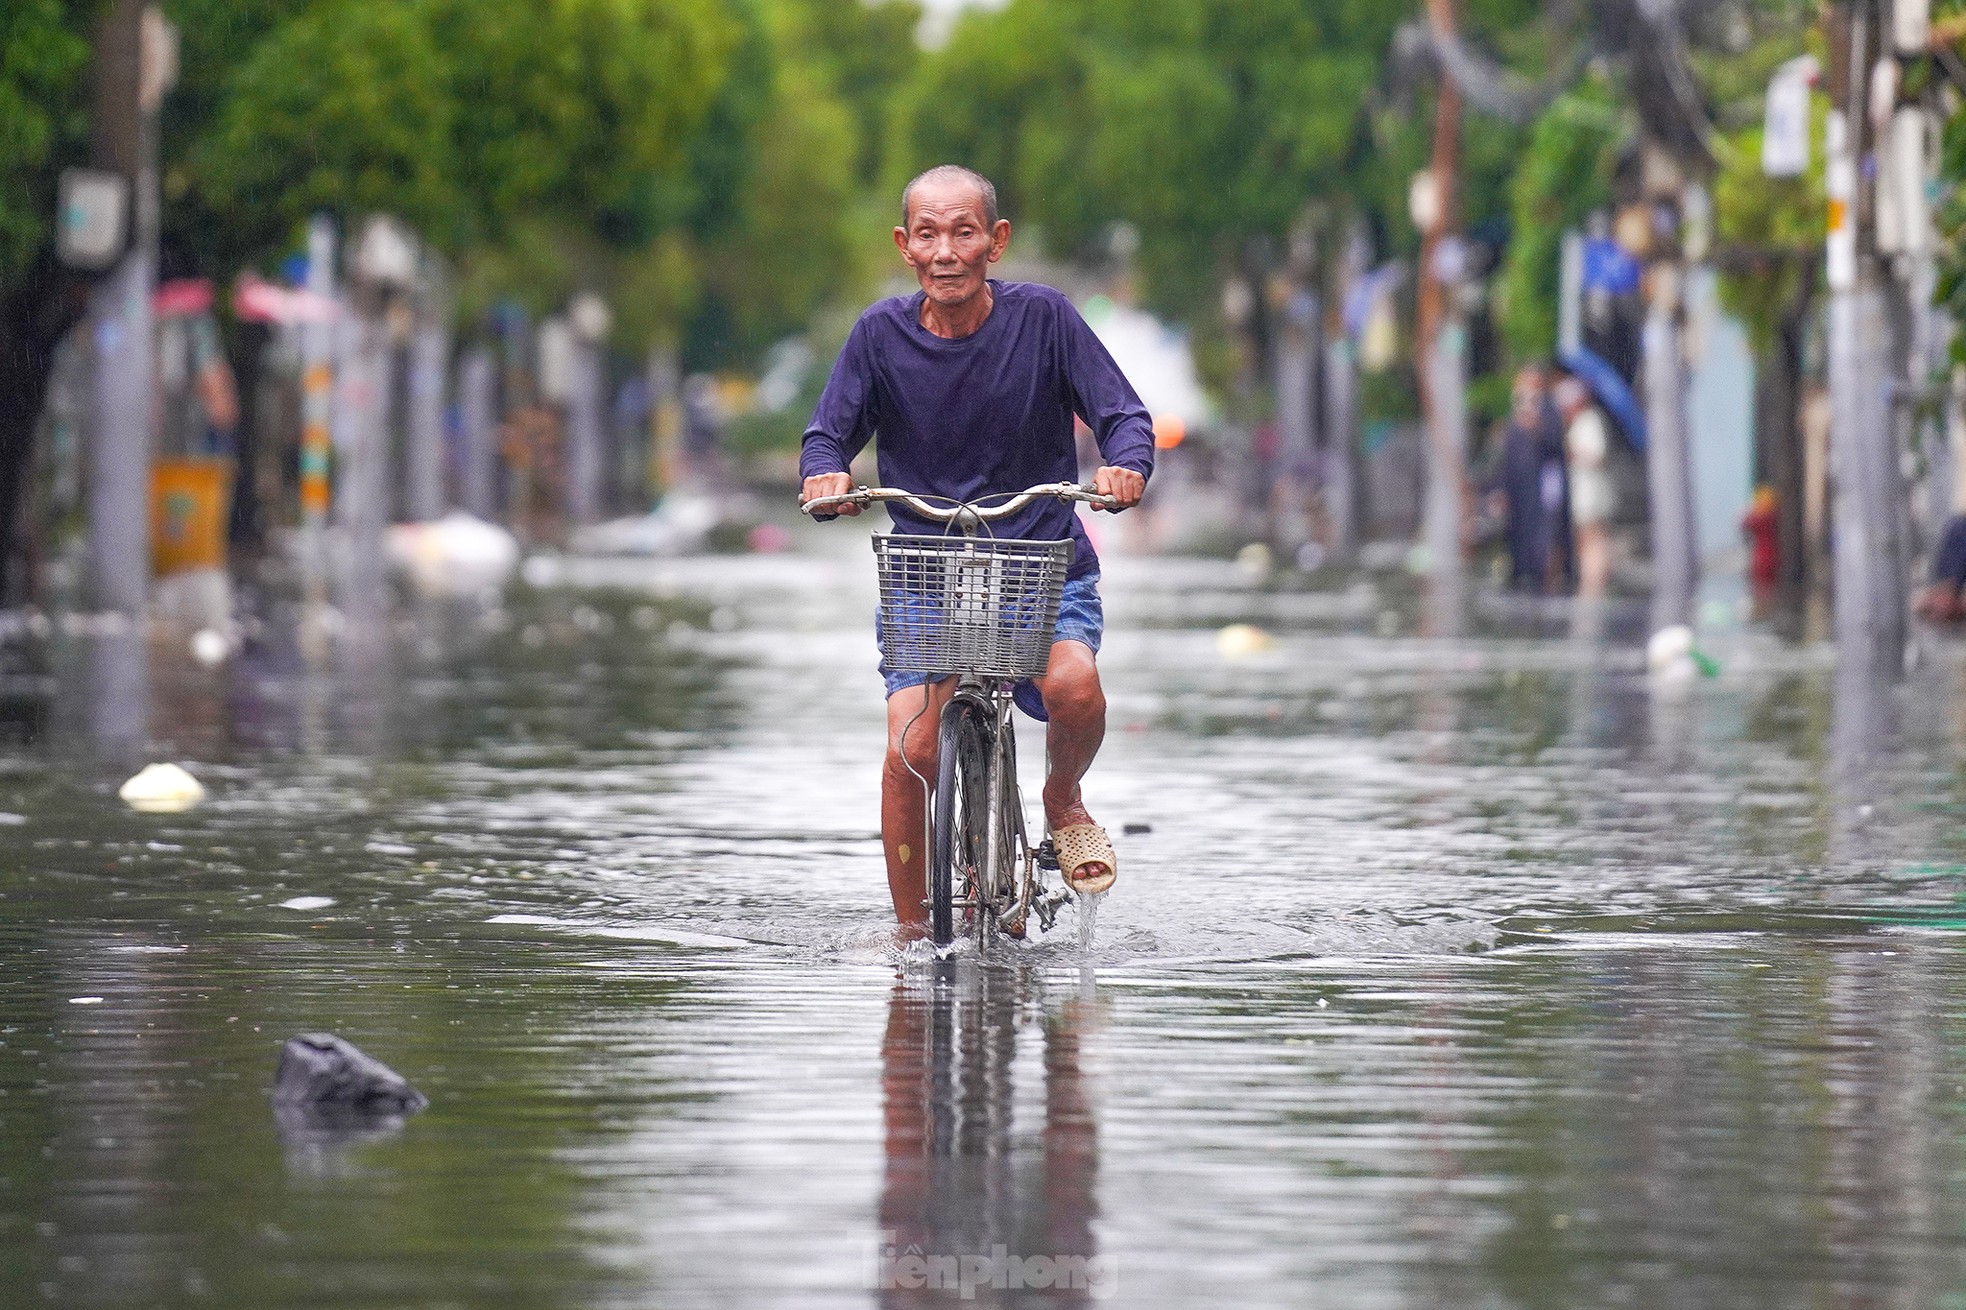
1080, 844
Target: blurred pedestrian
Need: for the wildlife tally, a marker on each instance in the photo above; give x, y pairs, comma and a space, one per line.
1587, 450
1760, 527
1529, 480
1940, 602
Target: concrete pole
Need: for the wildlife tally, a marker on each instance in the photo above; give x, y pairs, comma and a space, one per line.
1668, 463
1570, 295
362, 450
430, 348
1868, 564
120, 319
1441, 519
477, 391
1341, 444
1294, 361
1341, 491
1868, 509
584, 436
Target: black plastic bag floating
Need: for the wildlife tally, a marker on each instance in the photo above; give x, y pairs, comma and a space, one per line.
325, 1080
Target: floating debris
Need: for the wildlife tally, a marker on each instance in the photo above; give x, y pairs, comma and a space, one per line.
161, 789
1240, 640
319, 1071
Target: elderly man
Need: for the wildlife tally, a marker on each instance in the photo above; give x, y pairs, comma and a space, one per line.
972, 385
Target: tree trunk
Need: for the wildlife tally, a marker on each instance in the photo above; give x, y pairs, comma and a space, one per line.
33, 319
1440, 346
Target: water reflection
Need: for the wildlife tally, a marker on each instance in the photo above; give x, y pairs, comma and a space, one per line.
324, 1144
1862, 727
975, 1199
118, 696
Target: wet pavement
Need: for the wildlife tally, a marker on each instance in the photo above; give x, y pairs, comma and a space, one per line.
1473, 970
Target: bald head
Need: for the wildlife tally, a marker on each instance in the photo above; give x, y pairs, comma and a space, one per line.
951, 174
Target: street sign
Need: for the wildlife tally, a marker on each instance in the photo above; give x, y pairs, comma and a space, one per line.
92, 218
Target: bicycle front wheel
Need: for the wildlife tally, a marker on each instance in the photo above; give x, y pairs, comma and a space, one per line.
964, 745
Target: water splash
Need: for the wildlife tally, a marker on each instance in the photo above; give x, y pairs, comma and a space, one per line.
1088, 919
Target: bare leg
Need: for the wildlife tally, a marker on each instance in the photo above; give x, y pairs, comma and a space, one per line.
1593, 559
904, 798
1077, 707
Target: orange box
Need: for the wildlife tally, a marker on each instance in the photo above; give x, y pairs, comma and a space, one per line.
190, 501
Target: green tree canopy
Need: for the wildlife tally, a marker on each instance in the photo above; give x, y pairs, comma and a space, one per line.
42, 56
1201, 124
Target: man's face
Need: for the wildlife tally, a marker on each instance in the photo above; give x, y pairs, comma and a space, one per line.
947, 242
1527, 398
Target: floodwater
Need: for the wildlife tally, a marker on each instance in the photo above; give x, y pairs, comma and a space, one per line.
1444, 970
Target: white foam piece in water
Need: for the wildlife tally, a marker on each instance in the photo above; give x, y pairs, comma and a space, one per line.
161, 789
307, 903
85, 1000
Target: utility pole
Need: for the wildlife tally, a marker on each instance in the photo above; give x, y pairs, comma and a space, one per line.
1668, 463
589, 320
1868, 568
1673, 231
135, 64
477, 395
1294, 360
1440, 340
429, 371
1341, 490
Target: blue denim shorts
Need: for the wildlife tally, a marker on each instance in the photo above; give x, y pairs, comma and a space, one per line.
1081, 618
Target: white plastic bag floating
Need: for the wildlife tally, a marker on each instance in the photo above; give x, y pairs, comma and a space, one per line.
161, 789
456, 555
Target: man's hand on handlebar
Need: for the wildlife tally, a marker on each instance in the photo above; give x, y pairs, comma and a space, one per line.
830, 484
1123, 485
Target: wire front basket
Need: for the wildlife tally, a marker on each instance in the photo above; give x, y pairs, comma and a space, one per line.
969, 605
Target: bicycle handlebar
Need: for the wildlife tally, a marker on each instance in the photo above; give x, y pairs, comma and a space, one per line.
951, 513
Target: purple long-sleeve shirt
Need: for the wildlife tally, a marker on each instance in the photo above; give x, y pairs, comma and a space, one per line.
990, 412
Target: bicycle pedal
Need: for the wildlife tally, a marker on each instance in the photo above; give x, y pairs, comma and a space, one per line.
1047, 855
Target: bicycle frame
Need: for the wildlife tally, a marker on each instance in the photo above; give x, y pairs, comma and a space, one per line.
1010, 859
997, 893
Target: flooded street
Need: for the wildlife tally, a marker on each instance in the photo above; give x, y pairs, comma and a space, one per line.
1476, 970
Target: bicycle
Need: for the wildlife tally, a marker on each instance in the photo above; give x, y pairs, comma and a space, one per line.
981, 609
